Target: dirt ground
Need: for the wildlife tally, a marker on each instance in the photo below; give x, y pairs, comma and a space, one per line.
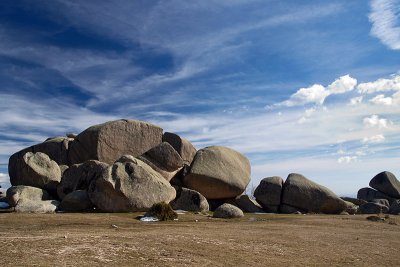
197, 240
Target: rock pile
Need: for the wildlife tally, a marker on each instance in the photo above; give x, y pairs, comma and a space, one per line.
122, 166
382, 197
128, 165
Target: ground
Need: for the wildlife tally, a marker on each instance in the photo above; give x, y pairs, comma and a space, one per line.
197, 240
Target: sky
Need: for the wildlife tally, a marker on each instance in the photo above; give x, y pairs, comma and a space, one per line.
311, 87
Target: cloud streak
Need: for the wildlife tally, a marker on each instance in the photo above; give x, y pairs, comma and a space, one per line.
385, 21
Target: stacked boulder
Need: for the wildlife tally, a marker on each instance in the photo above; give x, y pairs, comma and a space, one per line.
382, 197
123, 166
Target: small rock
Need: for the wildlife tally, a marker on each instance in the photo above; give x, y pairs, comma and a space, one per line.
228, 211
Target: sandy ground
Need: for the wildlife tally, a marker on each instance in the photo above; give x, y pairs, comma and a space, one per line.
255, 240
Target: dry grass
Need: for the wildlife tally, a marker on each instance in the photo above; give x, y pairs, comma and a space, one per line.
255, 240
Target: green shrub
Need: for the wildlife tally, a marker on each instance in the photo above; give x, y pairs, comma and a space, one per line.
163, 211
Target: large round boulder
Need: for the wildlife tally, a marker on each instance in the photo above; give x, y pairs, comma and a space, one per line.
38, 170
79, 176
228, 211
30, 199
386, 183
218, 172
300, 192
130, 186
164, 159
268, 193
189, 200
108, 141
185, 149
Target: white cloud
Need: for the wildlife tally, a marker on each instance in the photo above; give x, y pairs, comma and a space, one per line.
382, 100
356, 100
342, 85
380, 85
347, 159
385, 21
376, 139
375, 121
315, 94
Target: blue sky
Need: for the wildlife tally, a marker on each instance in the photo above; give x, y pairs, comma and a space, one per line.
298, 86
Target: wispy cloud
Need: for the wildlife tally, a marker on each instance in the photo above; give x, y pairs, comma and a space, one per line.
385, 21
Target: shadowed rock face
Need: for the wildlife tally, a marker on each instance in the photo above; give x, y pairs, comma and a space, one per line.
307, 195
108, 141
268, 193
386, 183
373, 208
369, 194
76, 201
189, 200
79, 176
130, 186
218, 172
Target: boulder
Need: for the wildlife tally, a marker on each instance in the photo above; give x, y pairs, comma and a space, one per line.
369, 194
351, 208
130, 186
373, 208
287, 209
164, 159
268, 193
305, 194
386, 183
108, 141
185, 149
218, 172
76, 201
56, 148
228, 211
37, 170
246, 204
355, 201
395, 207
79, 177
30, 199
189, 200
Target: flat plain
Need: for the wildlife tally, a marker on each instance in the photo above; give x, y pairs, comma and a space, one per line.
98, 239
